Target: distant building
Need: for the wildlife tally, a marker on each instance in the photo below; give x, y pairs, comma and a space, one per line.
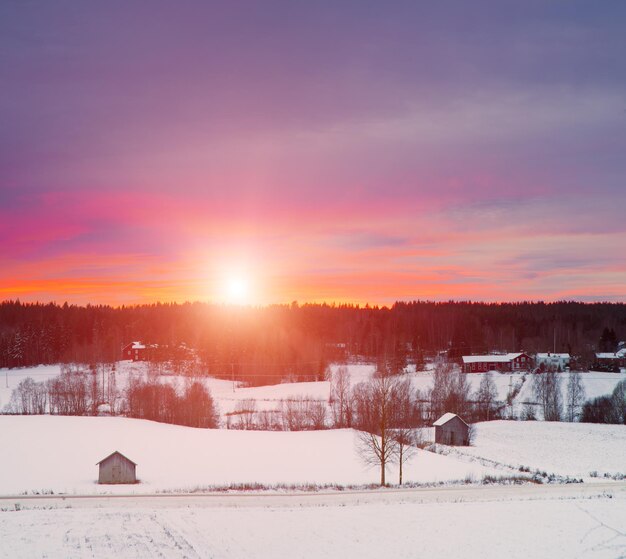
116, 468
136, 351
336, 351
450, 429
507, 363
553, 361
607, 361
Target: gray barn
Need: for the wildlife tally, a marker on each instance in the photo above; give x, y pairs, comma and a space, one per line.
450, 429
116, 468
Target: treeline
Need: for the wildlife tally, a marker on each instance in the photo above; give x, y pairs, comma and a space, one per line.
607, 409
270, 344
162, 402
351, 405
80, 391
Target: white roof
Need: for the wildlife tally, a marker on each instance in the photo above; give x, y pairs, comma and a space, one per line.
553, 355
490, 358
445, 418
608, 355
138, 345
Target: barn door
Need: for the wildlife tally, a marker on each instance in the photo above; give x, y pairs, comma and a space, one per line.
116, 473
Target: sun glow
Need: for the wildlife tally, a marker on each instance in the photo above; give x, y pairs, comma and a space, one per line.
237, 291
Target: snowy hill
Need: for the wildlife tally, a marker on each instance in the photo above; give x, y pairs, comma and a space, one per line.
567, 449
54, 453
228, 395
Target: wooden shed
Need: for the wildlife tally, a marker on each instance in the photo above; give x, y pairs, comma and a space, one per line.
116, 468
452, 430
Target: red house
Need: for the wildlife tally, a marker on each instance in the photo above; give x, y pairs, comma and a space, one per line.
507, 363
136, 351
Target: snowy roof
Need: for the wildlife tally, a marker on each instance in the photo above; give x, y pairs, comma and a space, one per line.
553, 356
608, 355
113, 454
138, 345
445, 418
490, 358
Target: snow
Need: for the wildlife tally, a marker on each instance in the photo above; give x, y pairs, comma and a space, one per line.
269, 397
43, 454
228, 395
566, 449
55, 453
545, 356
10, 378
444, 419
490, 358
358, 372
594, 383
588, 528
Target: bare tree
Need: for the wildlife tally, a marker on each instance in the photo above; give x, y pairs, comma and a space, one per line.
471, 434
450, 391
548, 393
407, 443
618, 399
374, 401
112, 395
301, 414
486, 396
69, 393
405, 417
340, 398
442, 382
317, 415
29, 398
268, 420
244, 414
575, 395
196, 407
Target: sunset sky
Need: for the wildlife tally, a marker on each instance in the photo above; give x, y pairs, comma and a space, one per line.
356, 151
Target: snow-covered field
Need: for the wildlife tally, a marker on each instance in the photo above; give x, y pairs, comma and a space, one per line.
45, 454
59, 454
583, 526
228, 395
566, 449
10, 378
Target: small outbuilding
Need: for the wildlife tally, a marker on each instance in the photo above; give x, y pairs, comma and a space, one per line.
116, 468
450, 429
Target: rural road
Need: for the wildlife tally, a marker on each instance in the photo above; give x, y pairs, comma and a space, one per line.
469, 493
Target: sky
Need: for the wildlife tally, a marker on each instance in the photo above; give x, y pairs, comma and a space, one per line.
354, 151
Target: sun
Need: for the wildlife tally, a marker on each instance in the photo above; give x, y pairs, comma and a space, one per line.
237, 290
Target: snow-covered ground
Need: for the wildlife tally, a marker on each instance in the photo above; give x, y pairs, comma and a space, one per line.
584, 526
10, 378
566, 449
228, 395
594, 383
59, 454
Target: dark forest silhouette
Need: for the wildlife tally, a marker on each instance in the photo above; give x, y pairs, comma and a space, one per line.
269, 344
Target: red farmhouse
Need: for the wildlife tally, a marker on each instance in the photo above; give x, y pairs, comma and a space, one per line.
510, 362
135, 351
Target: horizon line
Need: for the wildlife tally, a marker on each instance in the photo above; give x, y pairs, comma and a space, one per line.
296, 303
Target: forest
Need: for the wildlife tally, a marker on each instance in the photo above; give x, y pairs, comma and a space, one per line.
261, 345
